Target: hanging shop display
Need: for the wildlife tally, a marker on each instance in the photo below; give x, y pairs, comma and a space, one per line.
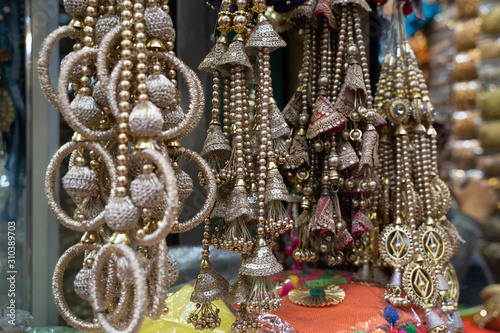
124, 174
317, 169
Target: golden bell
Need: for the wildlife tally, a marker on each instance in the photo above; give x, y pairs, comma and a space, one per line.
144, 143
155, 44
120, 237
76, 23
91, 237
77, 137
334, 176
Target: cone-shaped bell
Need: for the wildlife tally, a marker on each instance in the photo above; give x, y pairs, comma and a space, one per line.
238, 206
261, 262
253, 77
342, 239
354, 85
347, 154
262, 36
456, 321
434, 322
324, 10
292, 109
214, 56
360, 222
298, 153
396, 279
322, 217
234, 56
216, 145
369, 156
240, 290
210, 285
255, 141
324, 119
304, 14
279, 127
275, 187
221, 203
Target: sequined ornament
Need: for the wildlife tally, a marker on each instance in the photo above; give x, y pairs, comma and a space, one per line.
209, 287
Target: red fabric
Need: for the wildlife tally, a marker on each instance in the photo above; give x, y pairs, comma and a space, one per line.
470, 327
361, 310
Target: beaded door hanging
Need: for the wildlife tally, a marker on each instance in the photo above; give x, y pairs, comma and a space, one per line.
416, 239
124, 173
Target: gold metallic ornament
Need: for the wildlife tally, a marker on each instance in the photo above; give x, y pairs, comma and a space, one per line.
420, 284
395, 245
317, 297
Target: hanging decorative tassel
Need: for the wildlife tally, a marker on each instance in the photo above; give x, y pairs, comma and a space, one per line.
347, 155
456, 322
394, 293
292, 109
240, 290
210, 286
323, 218
260, 264
278, 221
263, 297
238, 205
279, 127
299, 154
236, 238
434, 323
245, 322
304, 218
369, 156
325, 119
216, 146
360, 222
209, 64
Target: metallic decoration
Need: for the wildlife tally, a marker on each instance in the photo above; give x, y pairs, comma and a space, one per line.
317, 297
415, 237
123, 175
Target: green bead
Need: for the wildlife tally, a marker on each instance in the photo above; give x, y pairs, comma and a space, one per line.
317, 292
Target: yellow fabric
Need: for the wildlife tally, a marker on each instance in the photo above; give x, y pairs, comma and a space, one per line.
179, 307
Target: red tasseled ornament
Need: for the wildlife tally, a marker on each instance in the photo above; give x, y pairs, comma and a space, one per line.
407, 9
